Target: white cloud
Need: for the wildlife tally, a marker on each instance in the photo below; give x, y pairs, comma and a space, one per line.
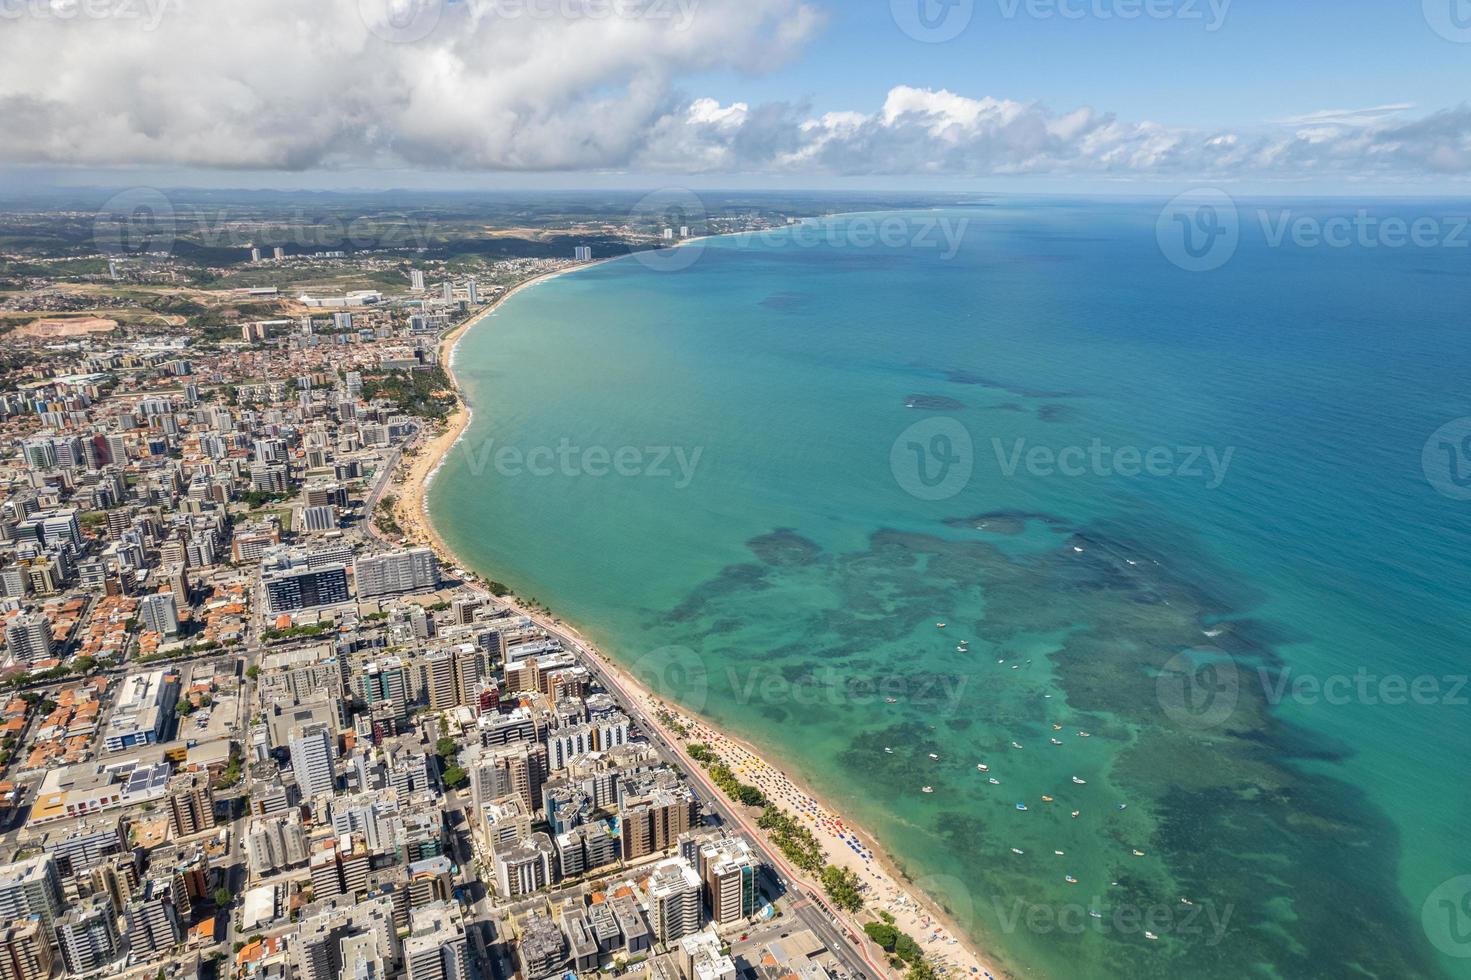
582, 85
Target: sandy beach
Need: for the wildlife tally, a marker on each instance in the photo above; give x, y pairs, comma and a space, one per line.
845, 844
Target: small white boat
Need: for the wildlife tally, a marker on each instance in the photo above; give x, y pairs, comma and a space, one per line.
891, 700
1057, 728
1058, 853
1070, 880
983, 767
962, 649
1080, 782
888, 751
1186, 901
1016, 745
939, 626
994, 781
1021, 806
928, 789
1138, 853
1017, 850
1077, 549
1076, 814
1084, 735
1095, 913
1046, 799
934, 757
1056, 741
1150, 936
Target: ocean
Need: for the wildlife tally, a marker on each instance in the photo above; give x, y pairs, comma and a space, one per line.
1193, 510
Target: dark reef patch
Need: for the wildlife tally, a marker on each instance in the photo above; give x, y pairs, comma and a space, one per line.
933, 403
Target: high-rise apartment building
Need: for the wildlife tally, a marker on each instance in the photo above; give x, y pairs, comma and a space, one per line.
313, 752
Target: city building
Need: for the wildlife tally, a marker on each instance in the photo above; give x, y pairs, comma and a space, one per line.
730, 872
87, 934
452, 676
313, 755
524, 867
676, 904
31, 887
143, 710
437, 947
413, 570
653, 824
191, 805
25, 952
160, 613
28, 637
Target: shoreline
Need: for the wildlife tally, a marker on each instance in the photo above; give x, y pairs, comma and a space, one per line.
887, 887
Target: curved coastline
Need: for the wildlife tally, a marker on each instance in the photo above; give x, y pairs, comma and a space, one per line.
928, 918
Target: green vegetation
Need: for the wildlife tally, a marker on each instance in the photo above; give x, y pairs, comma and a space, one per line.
253, 671
842, 886
893, 941
223, 897
424, 394
721, 776
231, 775
296, 632
794, 840
455, 777
256, 499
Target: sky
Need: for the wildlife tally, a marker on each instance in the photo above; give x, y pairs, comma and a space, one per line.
1301, 96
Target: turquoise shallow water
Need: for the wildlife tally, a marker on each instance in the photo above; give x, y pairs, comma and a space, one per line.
717, 472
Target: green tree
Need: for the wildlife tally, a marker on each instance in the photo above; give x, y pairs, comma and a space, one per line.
455, 777
842, 886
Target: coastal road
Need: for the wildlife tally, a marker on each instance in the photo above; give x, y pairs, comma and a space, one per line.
825, 923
